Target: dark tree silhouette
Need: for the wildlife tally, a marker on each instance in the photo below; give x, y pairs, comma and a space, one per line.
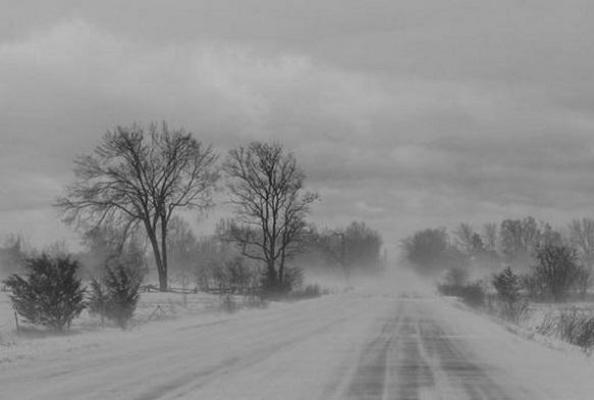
509, 288
581, 236
431, 252
116, 295
356, 248
138, 179
50, 294
466, 239
266, 186
508, 285
557, 269
519, 240
490, 237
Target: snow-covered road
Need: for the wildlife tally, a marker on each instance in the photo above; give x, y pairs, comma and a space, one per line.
336, 347
417, 355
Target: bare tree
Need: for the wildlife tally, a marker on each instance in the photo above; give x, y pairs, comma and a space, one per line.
490, 236
463, 237
519, 240
468, 240
356, 248
557, 269
361, 248
271, 205
430, 252
549, 236
581, 236
138, 179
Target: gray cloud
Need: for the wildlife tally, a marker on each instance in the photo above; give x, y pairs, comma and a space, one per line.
405, 114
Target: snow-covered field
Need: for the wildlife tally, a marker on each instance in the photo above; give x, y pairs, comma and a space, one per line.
537, 313
7, 321
152, 307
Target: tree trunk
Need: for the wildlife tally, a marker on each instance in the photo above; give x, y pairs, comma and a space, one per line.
281, 269
271, 273
163, 274
158, 261
162, 280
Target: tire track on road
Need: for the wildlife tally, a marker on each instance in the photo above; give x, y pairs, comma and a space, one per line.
369, 378
412, 372
413, 358
458, 366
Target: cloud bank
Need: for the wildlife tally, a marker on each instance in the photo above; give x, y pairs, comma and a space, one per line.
405, 115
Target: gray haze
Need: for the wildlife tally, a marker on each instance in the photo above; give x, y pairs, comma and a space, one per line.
404, 114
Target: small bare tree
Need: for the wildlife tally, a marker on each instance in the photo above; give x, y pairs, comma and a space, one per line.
557, 269
581, 236
270, 203
356, 248
463, 236
519, 238
490, 236
468, 241
138, 179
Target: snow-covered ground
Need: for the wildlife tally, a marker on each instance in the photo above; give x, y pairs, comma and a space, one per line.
537, 313
7, 321
352, 345
543, 367
152, 307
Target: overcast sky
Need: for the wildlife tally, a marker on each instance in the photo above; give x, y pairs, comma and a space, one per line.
404, 114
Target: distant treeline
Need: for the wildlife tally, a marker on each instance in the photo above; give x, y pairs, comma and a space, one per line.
212, 262
492, 246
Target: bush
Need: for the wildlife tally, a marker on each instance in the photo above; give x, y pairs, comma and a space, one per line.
98, 298
535, 289
456, 276
271, 287
254, 300
51, 294
583, 281
293, 278
557, 270
472, 294
308, 292
508, 287
430, 250
115, 297
573, 326
235, 275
